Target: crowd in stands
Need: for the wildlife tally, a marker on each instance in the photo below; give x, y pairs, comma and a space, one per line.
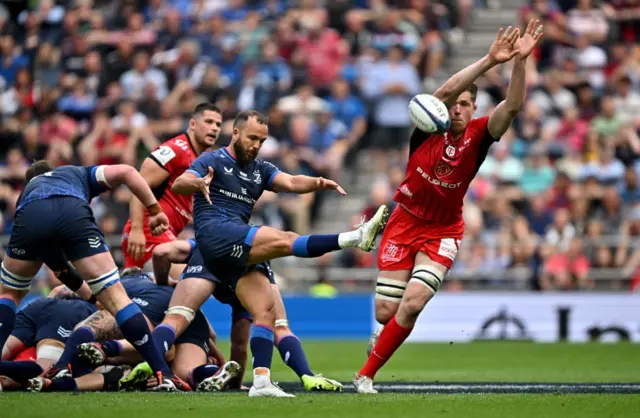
103, 82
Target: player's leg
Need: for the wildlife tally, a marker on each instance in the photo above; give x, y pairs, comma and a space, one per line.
292, 353
255, 293
105, 380
268, 243
426, 278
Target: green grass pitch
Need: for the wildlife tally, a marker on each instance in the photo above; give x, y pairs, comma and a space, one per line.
505, 362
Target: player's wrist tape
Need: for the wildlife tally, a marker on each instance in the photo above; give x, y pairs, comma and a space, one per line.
154, 209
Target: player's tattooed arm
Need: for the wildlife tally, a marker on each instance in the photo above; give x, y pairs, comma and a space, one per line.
104, 325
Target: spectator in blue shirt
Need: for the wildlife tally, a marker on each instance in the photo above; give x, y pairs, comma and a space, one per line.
349, 110
11, 60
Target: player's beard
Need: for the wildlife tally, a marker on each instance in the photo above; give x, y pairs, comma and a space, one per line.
242, 154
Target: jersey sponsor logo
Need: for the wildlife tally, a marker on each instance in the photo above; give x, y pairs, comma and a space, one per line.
243, 176
64, 333
392, 252
437, 182
405, 191
243, 190
237, 251
164, 154
228, 171
182, 144
95, 242
443, 169
237, 196
448, 248
140, 302
194, 269
257, 178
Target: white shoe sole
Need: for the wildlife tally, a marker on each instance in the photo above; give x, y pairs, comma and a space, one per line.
35, 384
219, 381
376, 224
260, 393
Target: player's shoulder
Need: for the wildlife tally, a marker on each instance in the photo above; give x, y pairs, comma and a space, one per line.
177, 148
479, 124
37, 306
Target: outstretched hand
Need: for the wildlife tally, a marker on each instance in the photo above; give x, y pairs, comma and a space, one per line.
530, 39
504, 46
330, 184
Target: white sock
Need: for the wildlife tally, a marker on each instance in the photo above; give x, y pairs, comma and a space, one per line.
261, 380
350, 239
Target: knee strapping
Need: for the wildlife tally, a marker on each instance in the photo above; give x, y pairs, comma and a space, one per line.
98, 284
49, 352
184, 311
427, 275
281, 323
390, 289
13, 281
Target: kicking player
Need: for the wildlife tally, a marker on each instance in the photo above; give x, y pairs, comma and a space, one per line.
54, 211
421, 241
160, 169
45, 324
196, 273
232, 249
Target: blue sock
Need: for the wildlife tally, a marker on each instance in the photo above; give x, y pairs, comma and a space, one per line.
7, 319
77, 337
135, 329
112, 348
293, 355
164, 336
20, 371
200, 373
309, 246
64, 384
261, 346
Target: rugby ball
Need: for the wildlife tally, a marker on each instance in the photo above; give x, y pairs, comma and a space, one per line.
429, 114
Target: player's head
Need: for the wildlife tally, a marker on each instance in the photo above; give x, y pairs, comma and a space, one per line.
36, 169
205, 124
250, 130
464, 108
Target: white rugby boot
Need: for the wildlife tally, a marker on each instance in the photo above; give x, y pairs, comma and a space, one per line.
364, 384
372, 228
219, 381
264, 387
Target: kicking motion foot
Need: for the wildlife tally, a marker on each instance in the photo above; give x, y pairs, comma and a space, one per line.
364, 384
219, 381
372, 228
321, 383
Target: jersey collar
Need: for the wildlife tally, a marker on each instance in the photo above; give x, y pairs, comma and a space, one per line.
226, 152
189, 141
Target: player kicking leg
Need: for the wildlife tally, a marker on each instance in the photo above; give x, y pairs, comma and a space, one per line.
424, 232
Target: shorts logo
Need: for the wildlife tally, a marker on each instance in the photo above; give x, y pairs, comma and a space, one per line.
237, 251
64, 333
194, 269
95, 242
18, 251
448, 248
228, 170
443, 169
140, 302
143, 341
392, 252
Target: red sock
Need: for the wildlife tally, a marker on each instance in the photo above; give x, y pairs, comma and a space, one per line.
392, 337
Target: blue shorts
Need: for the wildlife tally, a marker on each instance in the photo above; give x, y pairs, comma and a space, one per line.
60, 222
50, 319
224, 292
197, 333
225, 247
153, 302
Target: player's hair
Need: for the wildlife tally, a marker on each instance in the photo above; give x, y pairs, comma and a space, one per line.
203, 107
244, 116
473, 89
36, 169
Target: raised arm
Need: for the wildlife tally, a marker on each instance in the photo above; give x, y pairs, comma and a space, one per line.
506, 111
502, 50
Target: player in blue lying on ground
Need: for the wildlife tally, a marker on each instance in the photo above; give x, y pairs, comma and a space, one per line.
46, 324
289, 346
189, 360
227, 183
53, 212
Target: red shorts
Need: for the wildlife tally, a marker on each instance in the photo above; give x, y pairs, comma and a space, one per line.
152, 242
28, 354
406, 235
